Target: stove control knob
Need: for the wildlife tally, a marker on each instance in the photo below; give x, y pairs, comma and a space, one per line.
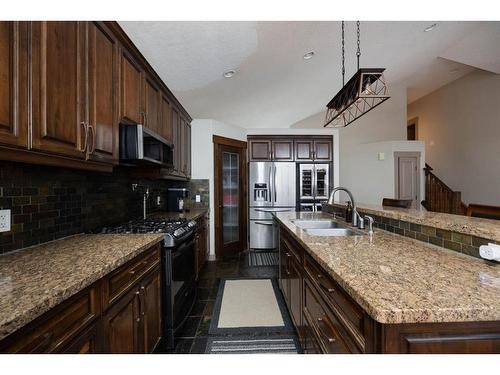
192, 224
178, 232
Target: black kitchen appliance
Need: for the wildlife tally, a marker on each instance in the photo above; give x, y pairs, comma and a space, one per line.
174, 196
178, 268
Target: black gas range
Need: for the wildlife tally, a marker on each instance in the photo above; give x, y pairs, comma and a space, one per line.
178, 267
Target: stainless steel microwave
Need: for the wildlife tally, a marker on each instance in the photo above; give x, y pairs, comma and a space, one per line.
139, 145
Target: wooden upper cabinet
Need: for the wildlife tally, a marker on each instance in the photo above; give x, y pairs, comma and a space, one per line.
131, 89
187, 148
304, 150
14, 83
166, 130
103, 93
323, 150
259, 150
176, 126
151, 105
282, 150
58, 88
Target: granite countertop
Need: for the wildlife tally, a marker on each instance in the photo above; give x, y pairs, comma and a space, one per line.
400, 280
474, 226
34, 280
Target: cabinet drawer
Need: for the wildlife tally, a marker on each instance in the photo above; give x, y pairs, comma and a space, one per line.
323, 323
292, 246
122, 279
347, 311
58, 327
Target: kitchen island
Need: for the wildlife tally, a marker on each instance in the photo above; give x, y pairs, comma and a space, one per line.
386, 293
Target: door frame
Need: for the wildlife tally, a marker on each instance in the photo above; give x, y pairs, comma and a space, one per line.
219, 142
417, 155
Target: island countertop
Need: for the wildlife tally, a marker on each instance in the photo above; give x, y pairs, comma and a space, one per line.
474, 226
33, 280
400, 280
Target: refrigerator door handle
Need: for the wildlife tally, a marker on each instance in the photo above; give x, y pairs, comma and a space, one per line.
269, 186
313, 186
275, 193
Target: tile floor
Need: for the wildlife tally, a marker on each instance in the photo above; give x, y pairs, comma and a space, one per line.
192, 338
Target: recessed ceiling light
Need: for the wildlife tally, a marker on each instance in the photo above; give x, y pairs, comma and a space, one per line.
308, 55
429, 28
229, 74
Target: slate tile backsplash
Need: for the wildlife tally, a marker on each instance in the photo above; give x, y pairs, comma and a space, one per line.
49, 203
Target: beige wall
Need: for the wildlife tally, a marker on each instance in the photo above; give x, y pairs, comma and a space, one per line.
460, 124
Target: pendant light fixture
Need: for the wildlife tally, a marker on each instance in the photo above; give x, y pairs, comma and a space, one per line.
363, 92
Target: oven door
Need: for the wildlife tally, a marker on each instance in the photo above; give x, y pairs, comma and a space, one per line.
181, 286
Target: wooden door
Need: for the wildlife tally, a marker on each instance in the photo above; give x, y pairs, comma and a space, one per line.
322, 150
304, 150
230, 197
14, 83
259, 150
151, 291
407, 177
282, 150
103, 94
131, 89
151, 106
58, 87
166, 130
122, 325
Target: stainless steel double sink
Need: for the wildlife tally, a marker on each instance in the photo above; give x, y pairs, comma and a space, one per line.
326, 228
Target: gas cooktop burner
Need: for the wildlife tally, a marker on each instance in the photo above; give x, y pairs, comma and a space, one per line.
159, 225
175, 231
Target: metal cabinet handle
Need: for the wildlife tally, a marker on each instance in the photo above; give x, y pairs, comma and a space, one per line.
85, 128
329, 290
133, 273
331, 340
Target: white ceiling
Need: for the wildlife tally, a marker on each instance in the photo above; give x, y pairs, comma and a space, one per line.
275, 87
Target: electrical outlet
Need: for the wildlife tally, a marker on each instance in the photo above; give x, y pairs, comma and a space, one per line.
158, 200
198, 198
4, 220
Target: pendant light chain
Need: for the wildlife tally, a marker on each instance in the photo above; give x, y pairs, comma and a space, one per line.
358, 53
343, 55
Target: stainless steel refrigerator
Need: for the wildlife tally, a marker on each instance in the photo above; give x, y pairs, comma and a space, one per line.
272, 187
314, 186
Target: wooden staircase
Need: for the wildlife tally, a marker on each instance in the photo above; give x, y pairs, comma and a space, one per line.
439, 197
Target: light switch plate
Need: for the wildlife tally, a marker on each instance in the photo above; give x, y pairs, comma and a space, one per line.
4, 220
381, 156
198, 198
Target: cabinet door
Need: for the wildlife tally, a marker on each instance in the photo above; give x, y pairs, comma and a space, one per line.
285, 272
58, 87
304, 150
323, 150
177, 139
103, 94
151, 290
122, 325
166, 119
151, 105
295, 292
283, 150
86, 343
14, 83
259, 150
187, 145
131, 89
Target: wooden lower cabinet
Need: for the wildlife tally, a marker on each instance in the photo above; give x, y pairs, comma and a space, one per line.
201, 245
88, 323
328, 320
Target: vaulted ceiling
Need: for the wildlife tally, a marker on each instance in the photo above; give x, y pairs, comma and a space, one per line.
275, 87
